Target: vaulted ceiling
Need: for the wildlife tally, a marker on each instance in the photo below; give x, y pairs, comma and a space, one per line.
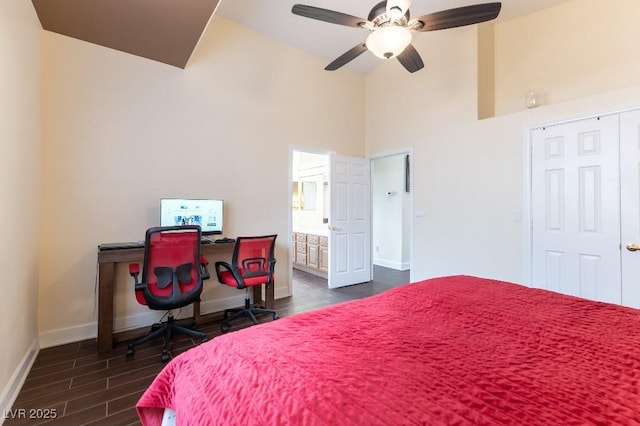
163, 30
169, 30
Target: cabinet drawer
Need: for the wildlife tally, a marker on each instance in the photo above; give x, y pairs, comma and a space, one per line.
301, 248
324, 241
312, 239
301, 238
301, 258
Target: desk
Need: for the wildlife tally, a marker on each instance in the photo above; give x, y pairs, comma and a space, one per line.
107, 260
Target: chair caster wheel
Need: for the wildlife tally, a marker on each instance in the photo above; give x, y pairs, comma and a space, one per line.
130, 351
275, 316
224, 328
204, 339
164, 357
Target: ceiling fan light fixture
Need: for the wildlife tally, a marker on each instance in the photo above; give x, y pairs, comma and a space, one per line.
400, 5
395, 13
388, 42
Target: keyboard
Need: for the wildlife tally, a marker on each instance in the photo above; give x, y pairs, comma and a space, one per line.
225, 240
118, 246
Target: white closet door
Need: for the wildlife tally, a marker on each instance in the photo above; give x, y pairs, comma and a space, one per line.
576, 208
630, 203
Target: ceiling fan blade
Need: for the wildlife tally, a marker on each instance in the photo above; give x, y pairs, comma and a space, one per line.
410, 59
403, 5
346, 57
460, 16
327, 15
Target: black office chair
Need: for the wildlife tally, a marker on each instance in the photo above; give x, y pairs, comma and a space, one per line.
252, 264
172, 275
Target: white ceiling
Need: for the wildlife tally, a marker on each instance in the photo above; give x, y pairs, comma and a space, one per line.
328, 41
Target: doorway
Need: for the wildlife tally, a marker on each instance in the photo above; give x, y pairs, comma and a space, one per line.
310, 199
311, 206
391, 211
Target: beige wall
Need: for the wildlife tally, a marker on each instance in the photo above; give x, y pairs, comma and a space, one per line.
20, 87
579, 48
469, 173
121, 132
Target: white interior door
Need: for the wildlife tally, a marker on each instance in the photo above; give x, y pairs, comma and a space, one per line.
630, 203
349, 221
576, 208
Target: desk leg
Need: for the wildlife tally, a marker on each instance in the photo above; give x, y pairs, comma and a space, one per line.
105, 306
269, 296
196, 313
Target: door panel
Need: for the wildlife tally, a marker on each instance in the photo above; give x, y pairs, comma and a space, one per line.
630, 202
349, 222
575, 208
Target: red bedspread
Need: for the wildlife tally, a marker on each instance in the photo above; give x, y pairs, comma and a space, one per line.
454, 350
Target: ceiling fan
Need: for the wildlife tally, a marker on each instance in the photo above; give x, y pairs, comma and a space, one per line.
390, 28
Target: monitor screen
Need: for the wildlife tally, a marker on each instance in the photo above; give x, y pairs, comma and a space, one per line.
182, 211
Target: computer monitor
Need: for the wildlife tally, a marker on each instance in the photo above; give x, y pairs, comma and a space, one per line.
208, 213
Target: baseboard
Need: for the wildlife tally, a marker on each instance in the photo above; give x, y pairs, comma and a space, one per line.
281, 293
89, 331
63, 336
11, 391
398, 266
219, 305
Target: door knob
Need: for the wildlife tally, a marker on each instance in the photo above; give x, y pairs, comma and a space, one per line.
335, 228
633, 247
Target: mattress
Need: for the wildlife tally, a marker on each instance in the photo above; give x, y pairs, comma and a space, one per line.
451, 350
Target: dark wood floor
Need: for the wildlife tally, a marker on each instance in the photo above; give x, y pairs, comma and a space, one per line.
78, 386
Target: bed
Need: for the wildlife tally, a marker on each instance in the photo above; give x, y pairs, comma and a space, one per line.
451, 350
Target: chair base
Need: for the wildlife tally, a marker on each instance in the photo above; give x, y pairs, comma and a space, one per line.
249, 310
167, 330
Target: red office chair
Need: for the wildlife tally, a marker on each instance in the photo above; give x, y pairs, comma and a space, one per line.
252, 264
172, 275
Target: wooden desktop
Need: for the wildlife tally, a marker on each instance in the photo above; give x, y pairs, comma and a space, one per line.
107, 259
